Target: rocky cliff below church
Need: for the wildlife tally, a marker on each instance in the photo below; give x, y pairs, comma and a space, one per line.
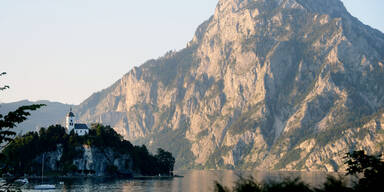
91, 161
268, 84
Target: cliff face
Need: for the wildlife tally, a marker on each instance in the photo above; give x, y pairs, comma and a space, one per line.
271, 84
92, 159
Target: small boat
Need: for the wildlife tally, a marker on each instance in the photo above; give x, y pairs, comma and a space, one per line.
45, 187
22, 181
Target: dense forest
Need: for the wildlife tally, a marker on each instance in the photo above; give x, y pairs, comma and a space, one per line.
21, 156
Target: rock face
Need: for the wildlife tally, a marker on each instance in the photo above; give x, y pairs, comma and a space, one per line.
269, 84
92, 159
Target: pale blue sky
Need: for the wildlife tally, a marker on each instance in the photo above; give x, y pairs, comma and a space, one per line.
64, 50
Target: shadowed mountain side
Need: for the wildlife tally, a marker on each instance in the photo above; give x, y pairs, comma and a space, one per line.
51, 114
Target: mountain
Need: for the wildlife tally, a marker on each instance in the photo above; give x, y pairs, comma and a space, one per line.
51, 114
268, 84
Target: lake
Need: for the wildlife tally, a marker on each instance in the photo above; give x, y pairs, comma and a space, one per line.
193, 180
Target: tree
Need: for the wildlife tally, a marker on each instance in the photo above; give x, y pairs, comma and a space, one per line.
8, 122
371, 168
166, 161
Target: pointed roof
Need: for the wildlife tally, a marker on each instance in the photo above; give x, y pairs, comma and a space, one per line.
80, 126
70, 114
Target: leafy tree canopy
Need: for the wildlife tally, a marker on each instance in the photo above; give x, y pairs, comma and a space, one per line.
7, 123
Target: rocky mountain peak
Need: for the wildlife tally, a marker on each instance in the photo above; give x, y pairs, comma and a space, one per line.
334, 8
264, 83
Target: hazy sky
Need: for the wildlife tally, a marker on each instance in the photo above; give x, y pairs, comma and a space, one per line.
64, 50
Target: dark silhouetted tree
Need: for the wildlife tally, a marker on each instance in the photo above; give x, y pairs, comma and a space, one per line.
166, 161
7, 123
369, 169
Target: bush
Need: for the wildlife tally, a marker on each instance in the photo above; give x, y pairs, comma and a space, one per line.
288, 185
369, 170
111, 170
334, 185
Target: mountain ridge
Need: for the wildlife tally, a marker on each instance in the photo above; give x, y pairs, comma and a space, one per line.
268, 84
263, 84
51, 114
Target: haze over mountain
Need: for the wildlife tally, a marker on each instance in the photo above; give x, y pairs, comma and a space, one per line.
51, 114
270, 84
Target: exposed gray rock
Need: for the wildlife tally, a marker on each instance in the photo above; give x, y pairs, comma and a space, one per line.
91, 159
269, 84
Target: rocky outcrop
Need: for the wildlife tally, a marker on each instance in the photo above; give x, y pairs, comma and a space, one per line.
92, 160
99, 160
269, 84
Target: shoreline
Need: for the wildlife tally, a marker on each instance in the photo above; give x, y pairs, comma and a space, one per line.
135, 177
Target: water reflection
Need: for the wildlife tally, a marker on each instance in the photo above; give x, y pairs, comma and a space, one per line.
195, 180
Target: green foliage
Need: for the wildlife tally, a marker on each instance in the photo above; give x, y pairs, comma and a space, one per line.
7, 123
103, 136
145, 163
288, 185
5, 86
247, 184
334, 185
112, 170
165, 161
22, 154
250, 185
220, 188
371, 167
368, 169
13, 118
19, 155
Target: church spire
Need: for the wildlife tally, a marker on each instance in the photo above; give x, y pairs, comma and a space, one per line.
70, 114
70, 120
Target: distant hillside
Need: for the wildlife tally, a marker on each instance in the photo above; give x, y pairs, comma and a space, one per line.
53, 113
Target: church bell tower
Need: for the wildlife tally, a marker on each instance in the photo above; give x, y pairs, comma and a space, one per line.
70, 121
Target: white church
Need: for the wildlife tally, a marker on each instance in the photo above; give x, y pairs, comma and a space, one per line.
78, 128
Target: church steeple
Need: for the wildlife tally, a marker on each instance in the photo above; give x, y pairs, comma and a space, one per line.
70, 121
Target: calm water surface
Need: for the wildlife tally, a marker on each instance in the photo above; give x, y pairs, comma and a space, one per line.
194, 180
